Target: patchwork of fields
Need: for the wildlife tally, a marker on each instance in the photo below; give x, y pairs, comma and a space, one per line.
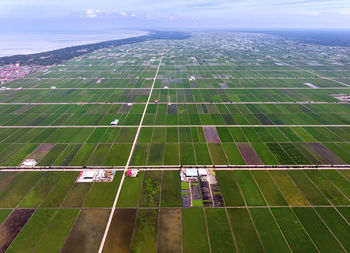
217, 100
270, 211
267, 107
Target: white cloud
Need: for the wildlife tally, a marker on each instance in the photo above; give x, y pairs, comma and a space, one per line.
310, 13
345, 12
123, 13
90, 13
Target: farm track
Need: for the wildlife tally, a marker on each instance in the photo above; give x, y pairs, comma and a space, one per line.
177, 167
210, 88
128, 162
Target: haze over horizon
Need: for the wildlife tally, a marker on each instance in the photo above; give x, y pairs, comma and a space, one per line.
40, 15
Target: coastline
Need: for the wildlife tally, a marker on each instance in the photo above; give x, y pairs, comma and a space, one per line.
61, 55
34, 43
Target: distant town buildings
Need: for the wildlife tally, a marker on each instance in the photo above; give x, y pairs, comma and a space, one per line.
15, 71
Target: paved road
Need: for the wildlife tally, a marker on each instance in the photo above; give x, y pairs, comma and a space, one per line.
198, 88
197, 78
174, 103
133, 126
177, 167
128, 161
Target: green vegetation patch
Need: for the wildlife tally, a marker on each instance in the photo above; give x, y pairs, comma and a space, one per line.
55, 197
307, 188
336, 223
3, 214
118, 155
250, 189
294, 232
27, 239
220, 235
129, 195
327, 188
77, 195
171, 189
150, 192
291, 193
194, 230
102, 194
229, 188
41, 189
145, 233
18, 188
317, 230
246, 237
271, 193
268, 230
57, 231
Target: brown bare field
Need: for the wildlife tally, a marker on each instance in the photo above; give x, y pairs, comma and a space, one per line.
170, 230
325, 153
6, 179
22, 109
120, 232
248, 153
12, 226
41, 151
77, 195
87, 232
211, 135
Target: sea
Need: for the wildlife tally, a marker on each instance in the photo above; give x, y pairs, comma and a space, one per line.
30, 43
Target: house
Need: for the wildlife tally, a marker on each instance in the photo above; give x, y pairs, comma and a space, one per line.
29, 163
191, 173
132, 172
115, 122
202, 172
89, 174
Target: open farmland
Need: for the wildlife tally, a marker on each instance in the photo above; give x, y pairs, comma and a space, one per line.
287, 204
264, 122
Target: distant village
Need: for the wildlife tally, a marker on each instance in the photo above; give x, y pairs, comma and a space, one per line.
15, 71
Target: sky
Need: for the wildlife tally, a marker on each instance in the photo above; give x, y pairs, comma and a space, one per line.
28, 15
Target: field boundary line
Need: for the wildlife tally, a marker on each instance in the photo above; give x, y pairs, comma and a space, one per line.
128, 162
270, 211
322, 76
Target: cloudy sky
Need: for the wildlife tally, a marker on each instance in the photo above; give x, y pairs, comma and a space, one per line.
37, 14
